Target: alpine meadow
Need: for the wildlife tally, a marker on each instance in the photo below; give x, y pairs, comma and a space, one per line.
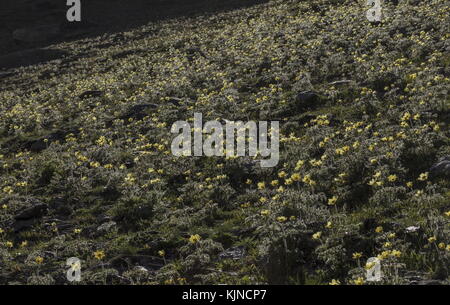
361, 186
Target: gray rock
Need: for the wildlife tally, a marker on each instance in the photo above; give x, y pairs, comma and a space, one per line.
91, 93
107, 227
28, 217
233, 253
5, 74
140, 269
139, 111
307, 100
36, 211
20, 225
442, 167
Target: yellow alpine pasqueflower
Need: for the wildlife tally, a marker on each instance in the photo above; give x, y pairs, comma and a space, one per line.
332, 200
99, 255
334, 282
195, 239
423, 176
359, 281
392, 178
281, 219
317, 235
357, 255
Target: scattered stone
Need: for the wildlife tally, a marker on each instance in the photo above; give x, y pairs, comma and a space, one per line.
5, 74
91, 93
307, 100
233, 253
138, 112
41, 144
35, 211
341, 82
412, 229
20, 225
107, 227
442, 167
140, 269
28, 217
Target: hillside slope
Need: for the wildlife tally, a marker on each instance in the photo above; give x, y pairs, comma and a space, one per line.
86, 169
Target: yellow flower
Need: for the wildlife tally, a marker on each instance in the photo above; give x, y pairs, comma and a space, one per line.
332, 200
392, 178
77, 231
281, 219
329, 225
195, 238
265, 212
409, 184
248, 182
432, 239
334, 282
357, 255
99, 255
384, 254
396, 253
423, 176
9, 244
379, 229
261, 185
441, 246
296, 177
359, 281
94, 164
161, 253
307, 179
391, 235
387, 245
24, 244
39, 260
274, 183
317, 235
282, 174
298, 165
447, 213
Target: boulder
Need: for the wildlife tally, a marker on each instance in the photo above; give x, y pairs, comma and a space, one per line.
35, 211
442, 167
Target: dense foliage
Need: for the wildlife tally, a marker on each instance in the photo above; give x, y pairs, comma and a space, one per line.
363, 108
